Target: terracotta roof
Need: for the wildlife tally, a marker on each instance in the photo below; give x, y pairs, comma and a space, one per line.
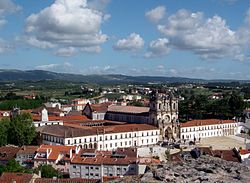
128, 109
37, 117
28, 150
56, 151
17, 177
149, 161
105, 158
244, 151
72, 180
8, 153
227, 155
51, 110
71, 130
66, 131
201, 122
103, 107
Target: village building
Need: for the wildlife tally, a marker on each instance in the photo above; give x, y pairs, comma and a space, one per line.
92, 164
25, 156
57, 156
7, 153
198, 129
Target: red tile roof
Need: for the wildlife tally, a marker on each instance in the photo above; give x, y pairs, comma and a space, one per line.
105, 158
73, 180
71, 130
227, 155
56, 151
28, 150
103, 107
37, 117
125, 128
201, 122
17, 177
244, 151
8, 153
128, 109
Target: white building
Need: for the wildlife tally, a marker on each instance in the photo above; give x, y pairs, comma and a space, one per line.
79, 104
196, 129
45, 120
93, 164
57, 156
101, 138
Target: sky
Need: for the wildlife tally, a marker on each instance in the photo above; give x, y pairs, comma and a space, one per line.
208, 39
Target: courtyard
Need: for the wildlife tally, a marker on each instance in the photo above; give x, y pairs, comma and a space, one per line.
223, 143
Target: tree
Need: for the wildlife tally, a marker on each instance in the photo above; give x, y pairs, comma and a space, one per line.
236, 104
13, 166
17, 131
3, 131
47, 171
21, 130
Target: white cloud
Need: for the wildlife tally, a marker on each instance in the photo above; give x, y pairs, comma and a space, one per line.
133, 42
158, 48
210, 38
66, 52
156, 14
4, 46
66, 23
64, 67
7, 7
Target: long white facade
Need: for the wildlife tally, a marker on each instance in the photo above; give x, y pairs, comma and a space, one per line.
199, 131
106, 141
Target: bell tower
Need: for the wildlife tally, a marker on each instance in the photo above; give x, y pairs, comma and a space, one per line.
164, 114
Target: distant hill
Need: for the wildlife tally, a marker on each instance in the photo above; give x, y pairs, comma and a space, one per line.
35, 75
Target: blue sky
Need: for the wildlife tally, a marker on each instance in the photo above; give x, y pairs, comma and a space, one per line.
207, 39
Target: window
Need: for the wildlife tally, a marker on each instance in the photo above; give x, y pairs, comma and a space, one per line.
115, 136
134, 134
85, 140
141, 141
110, 137
97, 168
100, 138
126, 136
106, 137
125, 143
74, 166
97, 174
80, 140
110, 144
130, 135
94, 138
121, 136
86, 167
90, 139
68, 141
91, 168
142, 134
147, 134
121, 143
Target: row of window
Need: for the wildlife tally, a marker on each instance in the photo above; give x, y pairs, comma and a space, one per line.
121, 136
209, 128
210, 134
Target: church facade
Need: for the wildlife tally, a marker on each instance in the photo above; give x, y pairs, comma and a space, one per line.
162, 113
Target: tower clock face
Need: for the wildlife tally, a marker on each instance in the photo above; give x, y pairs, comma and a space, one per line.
166, 119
